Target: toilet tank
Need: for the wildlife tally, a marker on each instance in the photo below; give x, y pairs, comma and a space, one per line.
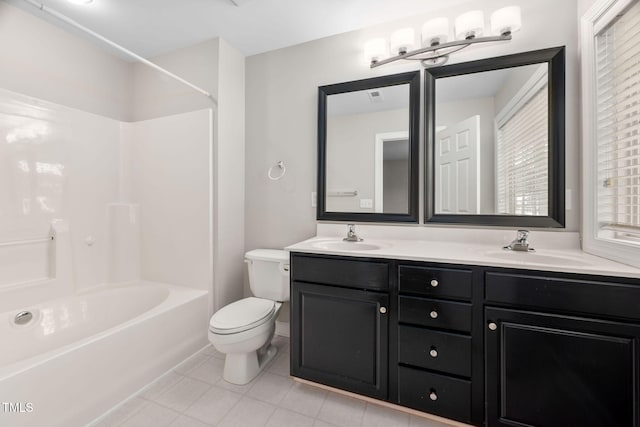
269, 273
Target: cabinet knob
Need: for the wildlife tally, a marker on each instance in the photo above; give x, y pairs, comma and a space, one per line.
434, 314
383, 310
433, 396
493, 326
433, 352
434, 282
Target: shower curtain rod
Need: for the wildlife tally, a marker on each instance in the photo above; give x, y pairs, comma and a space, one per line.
75, 24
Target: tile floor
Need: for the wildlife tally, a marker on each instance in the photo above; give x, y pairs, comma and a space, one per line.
195, 395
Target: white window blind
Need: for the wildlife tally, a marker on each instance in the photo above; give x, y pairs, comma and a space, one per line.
522, 159
617, 73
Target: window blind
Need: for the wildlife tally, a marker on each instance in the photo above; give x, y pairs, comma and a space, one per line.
522, 159
617, 54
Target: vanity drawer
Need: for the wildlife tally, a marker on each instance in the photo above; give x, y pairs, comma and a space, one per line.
455, 316
601, 298
436, 394
340, 272
438, 351
435, 282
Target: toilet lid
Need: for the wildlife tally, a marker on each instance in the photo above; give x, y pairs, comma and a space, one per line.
242, 315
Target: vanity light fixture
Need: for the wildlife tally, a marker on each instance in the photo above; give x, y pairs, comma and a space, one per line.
469, 28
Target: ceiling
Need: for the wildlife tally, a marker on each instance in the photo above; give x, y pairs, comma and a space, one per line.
153, 27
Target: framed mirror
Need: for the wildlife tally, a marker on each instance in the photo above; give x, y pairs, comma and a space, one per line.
495, 132
368, 139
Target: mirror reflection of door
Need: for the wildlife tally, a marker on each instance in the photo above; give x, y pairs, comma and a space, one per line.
458, 167
392, 172
492, 159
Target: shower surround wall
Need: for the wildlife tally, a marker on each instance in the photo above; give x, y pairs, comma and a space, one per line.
135, 195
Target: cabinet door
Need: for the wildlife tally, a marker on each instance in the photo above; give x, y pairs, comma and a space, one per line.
546, 371
339, 337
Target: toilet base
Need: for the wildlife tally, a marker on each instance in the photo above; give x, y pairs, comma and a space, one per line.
241, 368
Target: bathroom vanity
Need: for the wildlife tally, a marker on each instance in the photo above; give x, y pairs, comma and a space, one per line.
478, 343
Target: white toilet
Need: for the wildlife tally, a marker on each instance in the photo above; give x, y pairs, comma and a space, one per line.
243, 330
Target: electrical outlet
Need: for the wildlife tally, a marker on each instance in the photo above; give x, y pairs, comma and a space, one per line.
366, 203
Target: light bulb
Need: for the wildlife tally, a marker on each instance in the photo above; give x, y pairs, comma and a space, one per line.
435, 32
375, 49
469, 25
506, 21
402, 41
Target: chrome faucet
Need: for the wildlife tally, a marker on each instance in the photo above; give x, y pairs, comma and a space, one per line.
520, 243
351, 234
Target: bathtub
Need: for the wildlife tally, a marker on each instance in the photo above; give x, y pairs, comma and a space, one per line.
81, 355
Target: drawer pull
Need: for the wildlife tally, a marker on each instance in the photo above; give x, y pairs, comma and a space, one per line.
434, 352
433, 314
383, 310
434, 283
493, 326
433, 396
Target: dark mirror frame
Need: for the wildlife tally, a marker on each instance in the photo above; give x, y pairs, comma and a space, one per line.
555, 57
411, 78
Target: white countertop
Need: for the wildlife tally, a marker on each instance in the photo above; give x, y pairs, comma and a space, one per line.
554, 251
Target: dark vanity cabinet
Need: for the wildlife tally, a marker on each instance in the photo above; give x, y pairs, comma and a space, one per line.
564, 350
434, 340
482, 345
340, 323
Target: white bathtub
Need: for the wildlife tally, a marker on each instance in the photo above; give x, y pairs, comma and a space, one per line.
81, 355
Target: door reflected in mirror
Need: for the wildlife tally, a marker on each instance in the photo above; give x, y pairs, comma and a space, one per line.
491, 142
368, 151
495, 141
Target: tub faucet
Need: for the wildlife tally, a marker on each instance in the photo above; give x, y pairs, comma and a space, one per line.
520, 243
351, 234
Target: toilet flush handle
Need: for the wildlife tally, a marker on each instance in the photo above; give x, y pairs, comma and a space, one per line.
284, 268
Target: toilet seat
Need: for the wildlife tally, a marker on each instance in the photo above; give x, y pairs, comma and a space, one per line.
242, 315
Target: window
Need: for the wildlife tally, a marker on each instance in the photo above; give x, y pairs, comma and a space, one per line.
611, 129
522, 152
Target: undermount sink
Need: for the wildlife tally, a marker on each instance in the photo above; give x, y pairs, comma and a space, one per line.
341, 245
535, 258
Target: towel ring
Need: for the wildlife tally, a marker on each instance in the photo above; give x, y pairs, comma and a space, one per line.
280, 165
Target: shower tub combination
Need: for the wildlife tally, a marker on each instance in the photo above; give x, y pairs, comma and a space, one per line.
66, 361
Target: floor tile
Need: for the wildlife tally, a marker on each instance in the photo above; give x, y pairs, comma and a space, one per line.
240, 389
285, 418
212, 406
380, 416
415, 421
342, 410
191, 363
211, 351
270, 388
248, 413
281, 365
209, 371
160, 385
320, 423
304, 399
182, 394
184, 421
151, 415
119, 414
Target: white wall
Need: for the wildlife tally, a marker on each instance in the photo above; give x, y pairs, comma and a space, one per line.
229, 178
41, 60
167, 164
156, 95
281, 94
